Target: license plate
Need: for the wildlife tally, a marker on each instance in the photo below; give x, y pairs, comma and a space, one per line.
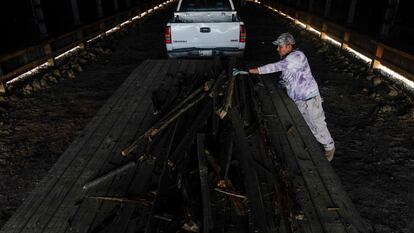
204, 53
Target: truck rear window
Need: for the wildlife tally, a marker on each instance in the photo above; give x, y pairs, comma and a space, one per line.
205, 5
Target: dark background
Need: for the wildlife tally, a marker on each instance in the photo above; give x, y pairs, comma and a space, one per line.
19, 28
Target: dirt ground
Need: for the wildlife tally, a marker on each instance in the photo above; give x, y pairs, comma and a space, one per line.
374, 135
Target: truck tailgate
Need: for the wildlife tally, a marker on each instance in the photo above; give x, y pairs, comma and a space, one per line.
209, 35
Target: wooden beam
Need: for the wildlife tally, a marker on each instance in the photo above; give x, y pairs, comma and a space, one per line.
351, 12
75, 12
109, 176
205, 190
310, 5
49, 53
99, 8
327, 11
39, 18
388, 18
378, 56
116, 6
253, 190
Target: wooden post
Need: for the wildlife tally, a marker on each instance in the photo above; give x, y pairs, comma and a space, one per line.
3, 88
351, 12
128, 3
75, 12
205, 192
376, 63
48, 53
310, 6
2, 84
345, 41
323, 31
39, 18
116, 6
328, 7
101, 28
79, 35
389, 17
99, 8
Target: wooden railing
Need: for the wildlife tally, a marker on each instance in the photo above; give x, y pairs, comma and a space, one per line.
381, 54
19, 62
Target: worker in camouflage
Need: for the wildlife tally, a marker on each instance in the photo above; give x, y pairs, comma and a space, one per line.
301, 87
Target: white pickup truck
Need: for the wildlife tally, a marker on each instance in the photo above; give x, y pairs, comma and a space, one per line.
205, 28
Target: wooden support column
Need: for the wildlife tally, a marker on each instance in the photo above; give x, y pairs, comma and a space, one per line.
310, 6
324, 29
48, 52
308, 22
2, 84
351, 12
328, 6
39, 18
75, 12
79, 35
345, 41
101, 28
376, 63
99, 8
3, 88
128, 3
388, 19
116, 6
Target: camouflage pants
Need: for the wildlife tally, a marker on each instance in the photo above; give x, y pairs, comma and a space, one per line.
314, 116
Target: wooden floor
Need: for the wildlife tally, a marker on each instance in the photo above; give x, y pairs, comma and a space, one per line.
318, 191
59, 205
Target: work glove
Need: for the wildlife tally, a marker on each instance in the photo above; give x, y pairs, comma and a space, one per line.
237, 72
281, 83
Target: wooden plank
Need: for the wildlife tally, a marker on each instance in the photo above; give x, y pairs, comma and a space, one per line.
147, 166
205, 190
320, 197
134, 121
144, 174
251, 180
94, 154
282, 148
347, 211
29, 207
176, 158
68, 178
127, 219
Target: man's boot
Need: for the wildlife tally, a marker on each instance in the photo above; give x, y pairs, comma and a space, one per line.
329, 154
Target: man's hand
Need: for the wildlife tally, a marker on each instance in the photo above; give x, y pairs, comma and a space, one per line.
254, 71
237, 72
281, 83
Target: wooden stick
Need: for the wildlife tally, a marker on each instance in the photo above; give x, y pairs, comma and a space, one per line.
171, 116
222, 112
226, 183
213, 91
206, 87
205, 192
122, 199
109, 175
162, 125
230, 193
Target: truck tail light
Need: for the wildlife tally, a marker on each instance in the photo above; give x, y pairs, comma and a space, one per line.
242, 33
167, 33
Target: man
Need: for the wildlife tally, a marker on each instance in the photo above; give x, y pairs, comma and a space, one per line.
301, 87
